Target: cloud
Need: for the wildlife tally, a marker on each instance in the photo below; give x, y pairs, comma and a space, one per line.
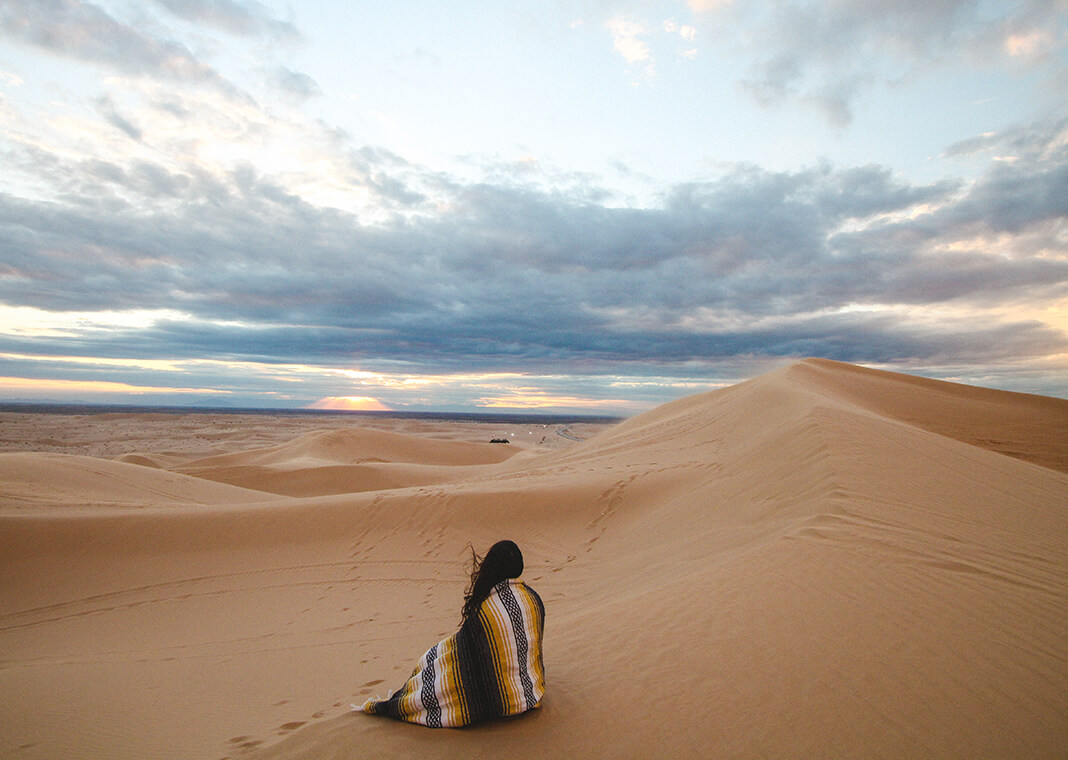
1031, 44
1024, 195
105, 106
40, 388
626, 39
1037, 141
246, 18
685, 31
630, 40
839, 262
86, 32
829, 53
296, 83
707, 6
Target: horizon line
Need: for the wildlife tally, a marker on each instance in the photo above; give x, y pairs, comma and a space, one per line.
61, 407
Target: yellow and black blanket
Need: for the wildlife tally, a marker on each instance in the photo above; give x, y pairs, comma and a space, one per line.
490, 668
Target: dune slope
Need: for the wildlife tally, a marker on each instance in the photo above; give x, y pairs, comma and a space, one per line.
819, 562
64, 481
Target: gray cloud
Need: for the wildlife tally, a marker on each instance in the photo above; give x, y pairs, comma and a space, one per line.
106, 108
829, 53
1035, 168
554, 350
510, 277
86, 32
246, 18
296, 84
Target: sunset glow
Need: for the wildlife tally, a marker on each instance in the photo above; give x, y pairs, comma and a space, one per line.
547, 401
350, 404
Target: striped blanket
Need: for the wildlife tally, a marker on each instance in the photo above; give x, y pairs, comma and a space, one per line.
490, 668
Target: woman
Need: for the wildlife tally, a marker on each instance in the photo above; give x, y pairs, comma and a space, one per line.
490, 668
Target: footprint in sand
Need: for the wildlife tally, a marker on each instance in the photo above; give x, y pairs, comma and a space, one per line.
246, 742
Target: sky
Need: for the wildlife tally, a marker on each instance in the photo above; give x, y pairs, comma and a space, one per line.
575, 207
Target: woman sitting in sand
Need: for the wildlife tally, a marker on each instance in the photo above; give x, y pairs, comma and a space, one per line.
492, 666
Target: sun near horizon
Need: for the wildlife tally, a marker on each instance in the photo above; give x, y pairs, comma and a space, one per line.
351, 404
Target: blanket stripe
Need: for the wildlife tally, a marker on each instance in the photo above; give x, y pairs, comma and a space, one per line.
491, 668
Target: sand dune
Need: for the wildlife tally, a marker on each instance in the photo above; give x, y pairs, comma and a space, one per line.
825, 561
65, 481
348, 461
362, 445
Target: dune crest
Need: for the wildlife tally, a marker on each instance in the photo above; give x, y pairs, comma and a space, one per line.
1020, 425
824, 561
354, 445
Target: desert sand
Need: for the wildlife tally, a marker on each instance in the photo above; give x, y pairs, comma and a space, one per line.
822, 562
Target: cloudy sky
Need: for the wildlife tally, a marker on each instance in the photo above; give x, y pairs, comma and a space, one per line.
556, 206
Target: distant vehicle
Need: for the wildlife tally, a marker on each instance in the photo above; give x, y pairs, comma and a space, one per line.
499, 440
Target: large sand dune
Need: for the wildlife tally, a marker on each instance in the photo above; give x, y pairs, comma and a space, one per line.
824, 561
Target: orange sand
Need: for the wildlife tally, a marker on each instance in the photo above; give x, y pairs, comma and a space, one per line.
825, 561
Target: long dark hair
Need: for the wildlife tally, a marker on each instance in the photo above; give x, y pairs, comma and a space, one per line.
502, 561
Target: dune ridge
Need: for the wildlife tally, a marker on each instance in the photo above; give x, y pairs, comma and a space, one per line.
824, 561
